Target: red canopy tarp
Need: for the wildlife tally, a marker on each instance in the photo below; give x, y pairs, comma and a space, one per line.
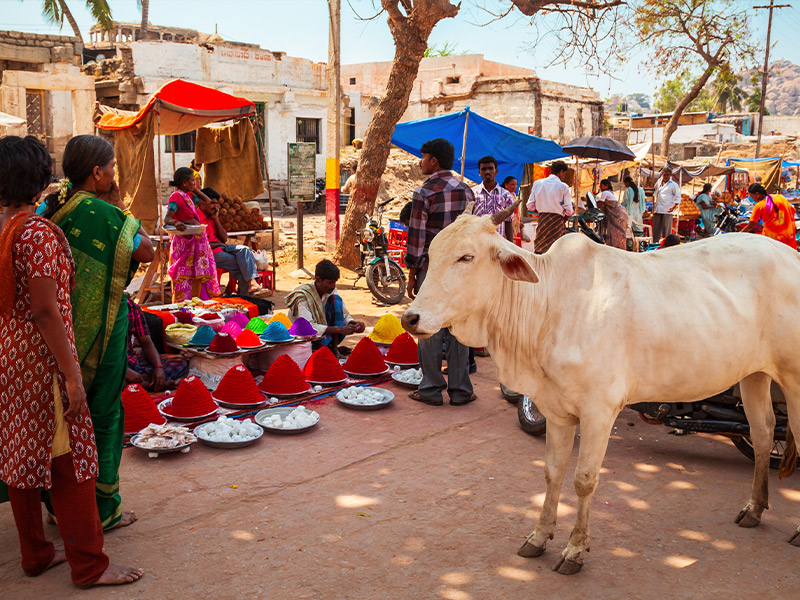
183, 107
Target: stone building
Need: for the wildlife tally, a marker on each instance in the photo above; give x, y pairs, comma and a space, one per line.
41, 82
289, 92
513, 96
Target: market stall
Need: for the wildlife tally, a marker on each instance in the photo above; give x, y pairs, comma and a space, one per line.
179, 107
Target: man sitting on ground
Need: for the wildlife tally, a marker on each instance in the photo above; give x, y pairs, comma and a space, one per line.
237, 260
154, 371
323, 307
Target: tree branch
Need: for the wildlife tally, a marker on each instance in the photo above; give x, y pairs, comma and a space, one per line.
531, 7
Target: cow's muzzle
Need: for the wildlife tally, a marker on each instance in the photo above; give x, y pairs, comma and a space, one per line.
410, 321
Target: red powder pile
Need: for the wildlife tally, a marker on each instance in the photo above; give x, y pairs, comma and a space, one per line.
140, 409
212, 316
323, 367
248, 339
238, 387
191, 399
181, 316
366, 359
283, 377
403, 350
222, 342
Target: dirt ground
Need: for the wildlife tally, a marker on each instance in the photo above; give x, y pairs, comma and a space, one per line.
433, 502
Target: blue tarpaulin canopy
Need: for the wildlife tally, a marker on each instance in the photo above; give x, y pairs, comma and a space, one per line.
512, 149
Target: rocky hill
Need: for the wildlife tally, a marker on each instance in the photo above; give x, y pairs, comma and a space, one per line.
783, 88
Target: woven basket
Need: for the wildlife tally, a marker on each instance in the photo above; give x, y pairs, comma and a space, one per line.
179, 333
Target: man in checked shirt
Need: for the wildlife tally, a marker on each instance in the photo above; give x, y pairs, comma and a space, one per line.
434, 206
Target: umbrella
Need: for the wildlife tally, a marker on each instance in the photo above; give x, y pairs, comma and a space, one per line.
600, 148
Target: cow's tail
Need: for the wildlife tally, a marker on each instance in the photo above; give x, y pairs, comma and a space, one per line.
789, 460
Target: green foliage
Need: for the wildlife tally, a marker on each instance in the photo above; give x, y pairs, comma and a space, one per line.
727, 93
672, 91
444, 49
54, 12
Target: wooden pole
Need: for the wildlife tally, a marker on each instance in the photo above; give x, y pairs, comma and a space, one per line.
765, 73
577, 194
172, 145
464, 144
299, 235
334, 131
163, 258
272, 227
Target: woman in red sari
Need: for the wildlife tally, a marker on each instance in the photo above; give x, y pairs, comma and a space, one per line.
46, 435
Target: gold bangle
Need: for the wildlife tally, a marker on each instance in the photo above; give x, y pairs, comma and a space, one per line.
127, 212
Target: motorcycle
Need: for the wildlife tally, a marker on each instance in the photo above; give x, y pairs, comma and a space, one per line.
732, 218
722, 414
385, 278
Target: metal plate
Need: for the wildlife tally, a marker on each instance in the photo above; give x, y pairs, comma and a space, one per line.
182, 447
285, 396
164, 404
283, 412
226, 445
405, 384
235, 406
366, 375
387, 399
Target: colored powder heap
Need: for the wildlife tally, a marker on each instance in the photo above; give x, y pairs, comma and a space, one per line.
140, 409
323, 367
281, 318
192, 399
283, 377
302, 328
223, 342
276, 332
238, 386
231, 329
257, 325
182, 316
240, 319
386, 329
366, 359
248, 339
403, 350
202, 336
212, 316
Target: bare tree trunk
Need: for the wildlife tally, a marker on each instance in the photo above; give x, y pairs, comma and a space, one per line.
672, 125
410, 32
71, 20
145, 18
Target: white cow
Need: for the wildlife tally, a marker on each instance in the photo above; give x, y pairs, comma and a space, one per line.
586, 329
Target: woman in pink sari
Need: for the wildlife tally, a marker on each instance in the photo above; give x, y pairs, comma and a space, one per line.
191, 262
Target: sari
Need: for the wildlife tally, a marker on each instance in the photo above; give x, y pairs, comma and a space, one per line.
101, 239
192, 267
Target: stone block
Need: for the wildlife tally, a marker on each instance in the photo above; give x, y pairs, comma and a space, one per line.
266, 240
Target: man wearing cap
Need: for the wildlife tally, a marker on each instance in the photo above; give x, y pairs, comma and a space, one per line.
667, 196
320, 304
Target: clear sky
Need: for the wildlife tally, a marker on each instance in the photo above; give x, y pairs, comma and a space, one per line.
300, 28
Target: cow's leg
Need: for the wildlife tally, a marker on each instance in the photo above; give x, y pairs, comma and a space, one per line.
758, 408
560, 439
791, 390
595, 432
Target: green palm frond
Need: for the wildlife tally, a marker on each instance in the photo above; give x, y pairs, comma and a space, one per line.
51, 10
101, 13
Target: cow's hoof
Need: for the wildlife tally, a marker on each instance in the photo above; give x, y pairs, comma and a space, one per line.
746, 519
795, 539
567, 566
529, 550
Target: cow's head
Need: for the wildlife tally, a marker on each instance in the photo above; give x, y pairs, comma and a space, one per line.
469, 264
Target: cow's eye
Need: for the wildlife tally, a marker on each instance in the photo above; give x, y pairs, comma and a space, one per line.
466, 258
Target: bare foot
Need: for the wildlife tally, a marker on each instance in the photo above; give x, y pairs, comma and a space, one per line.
50, 519
58, 558
116, 575
126, 519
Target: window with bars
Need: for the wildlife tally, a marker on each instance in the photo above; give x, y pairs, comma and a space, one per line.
308, 131
184, 143
34, 114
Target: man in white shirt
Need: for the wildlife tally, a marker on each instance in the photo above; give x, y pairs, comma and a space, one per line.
667, 196
320, 305
550, 197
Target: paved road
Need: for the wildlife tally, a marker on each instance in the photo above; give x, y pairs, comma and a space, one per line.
417, 502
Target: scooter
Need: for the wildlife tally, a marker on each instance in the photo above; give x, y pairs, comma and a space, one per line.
722, 414
385, 278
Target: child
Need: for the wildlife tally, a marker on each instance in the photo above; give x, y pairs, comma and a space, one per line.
191, 262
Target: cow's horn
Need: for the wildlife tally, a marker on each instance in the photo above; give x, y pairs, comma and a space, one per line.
468, 210
502, 215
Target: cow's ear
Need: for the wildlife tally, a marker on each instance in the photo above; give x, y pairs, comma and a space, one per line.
516, 267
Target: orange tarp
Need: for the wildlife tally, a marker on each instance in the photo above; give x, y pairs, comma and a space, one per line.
183, 107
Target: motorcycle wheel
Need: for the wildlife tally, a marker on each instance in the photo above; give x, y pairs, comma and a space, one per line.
530, 419
744, 445
391, 292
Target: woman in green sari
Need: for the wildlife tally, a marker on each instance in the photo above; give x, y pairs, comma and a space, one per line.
107, 244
